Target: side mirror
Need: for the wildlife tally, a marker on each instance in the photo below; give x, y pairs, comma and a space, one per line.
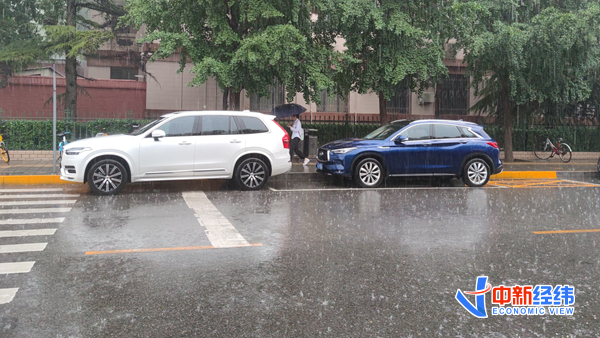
156, 134
400, 139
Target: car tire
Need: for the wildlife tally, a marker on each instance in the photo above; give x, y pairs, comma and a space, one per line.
369, 173
107, 177
476, 173
251, 174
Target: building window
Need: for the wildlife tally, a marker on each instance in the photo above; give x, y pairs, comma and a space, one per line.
275, 98
398, 104
331, 104
123, 73
453, 95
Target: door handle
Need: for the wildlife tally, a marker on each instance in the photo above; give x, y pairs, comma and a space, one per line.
184, 143
235, 141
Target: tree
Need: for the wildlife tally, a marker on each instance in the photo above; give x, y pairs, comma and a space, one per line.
530, 55
389, 42
18, 37
247, 44
36, 30
75, 35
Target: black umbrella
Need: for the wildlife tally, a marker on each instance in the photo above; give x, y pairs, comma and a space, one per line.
287, 110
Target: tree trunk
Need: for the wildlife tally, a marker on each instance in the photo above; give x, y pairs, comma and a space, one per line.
71, 66
235, 100
226, 98
382, 109
507, 122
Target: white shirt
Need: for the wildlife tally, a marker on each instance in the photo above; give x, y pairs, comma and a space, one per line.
297, 129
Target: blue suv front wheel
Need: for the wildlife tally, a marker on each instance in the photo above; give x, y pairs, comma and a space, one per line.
369, 173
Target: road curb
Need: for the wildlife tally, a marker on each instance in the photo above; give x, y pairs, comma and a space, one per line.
32, 179
524, 175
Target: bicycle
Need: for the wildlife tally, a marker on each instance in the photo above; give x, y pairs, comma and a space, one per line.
4, 151
545, 150
61, 145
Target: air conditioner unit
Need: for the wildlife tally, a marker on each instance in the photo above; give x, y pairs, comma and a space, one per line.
427, 97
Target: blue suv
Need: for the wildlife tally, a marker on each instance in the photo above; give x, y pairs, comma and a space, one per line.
439, 148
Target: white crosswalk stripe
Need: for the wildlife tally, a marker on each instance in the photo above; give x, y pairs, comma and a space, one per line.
4, 191
29, 247
33, 211
18, 267
12, 203
7, 295
32, 220
38, 196
22, 233
17, 202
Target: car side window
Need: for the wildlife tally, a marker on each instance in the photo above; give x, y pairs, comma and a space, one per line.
446, 131
252, 125
467, 133
418, 132
181, 126
215, 125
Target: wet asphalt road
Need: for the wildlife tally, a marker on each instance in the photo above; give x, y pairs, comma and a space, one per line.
335, 263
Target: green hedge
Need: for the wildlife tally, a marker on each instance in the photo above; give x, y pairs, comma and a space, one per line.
580, 138
37, 135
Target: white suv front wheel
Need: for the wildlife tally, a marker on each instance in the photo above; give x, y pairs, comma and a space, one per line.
107, 177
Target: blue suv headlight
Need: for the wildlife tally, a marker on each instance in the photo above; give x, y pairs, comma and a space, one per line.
343, 150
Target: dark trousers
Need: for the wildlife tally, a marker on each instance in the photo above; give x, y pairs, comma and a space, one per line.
294, 148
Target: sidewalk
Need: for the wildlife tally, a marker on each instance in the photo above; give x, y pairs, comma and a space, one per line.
576, 168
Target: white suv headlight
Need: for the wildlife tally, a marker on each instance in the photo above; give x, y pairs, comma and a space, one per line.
76, 151
343, 150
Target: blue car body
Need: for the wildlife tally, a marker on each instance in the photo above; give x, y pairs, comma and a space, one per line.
418, 148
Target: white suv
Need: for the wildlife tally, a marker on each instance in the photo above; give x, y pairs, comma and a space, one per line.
248, 147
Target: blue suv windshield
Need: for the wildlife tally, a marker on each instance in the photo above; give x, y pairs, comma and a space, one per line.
386, 131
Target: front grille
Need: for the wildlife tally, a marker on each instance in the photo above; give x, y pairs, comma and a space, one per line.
323, 155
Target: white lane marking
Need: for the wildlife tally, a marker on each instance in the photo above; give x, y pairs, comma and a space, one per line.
39, 196
28, 247
219, 231
367, 189
32, 220
18, 267
2, 191
7, 295
33, 211
38, 202
22, 233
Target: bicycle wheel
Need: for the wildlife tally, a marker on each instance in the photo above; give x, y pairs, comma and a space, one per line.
58, 161
564, 152
542, 149
4, 154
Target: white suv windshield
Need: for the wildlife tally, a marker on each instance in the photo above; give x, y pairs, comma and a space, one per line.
147, 127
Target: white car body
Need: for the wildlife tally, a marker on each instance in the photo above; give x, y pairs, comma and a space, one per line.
180, 157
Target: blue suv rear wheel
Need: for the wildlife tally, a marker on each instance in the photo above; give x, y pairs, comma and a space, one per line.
476, 173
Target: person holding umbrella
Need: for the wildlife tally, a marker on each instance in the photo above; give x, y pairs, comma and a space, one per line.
297, 134
294, 110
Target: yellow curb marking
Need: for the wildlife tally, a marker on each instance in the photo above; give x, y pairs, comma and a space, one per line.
33, 179
564, 231
524, 175
165, 249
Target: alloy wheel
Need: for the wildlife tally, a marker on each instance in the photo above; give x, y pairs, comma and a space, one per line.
107, 177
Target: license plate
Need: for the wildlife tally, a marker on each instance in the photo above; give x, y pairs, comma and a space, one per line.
319, 166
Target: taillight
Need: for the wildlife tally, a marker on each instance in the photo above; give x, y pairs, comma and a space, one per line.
493, 144
286, 137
